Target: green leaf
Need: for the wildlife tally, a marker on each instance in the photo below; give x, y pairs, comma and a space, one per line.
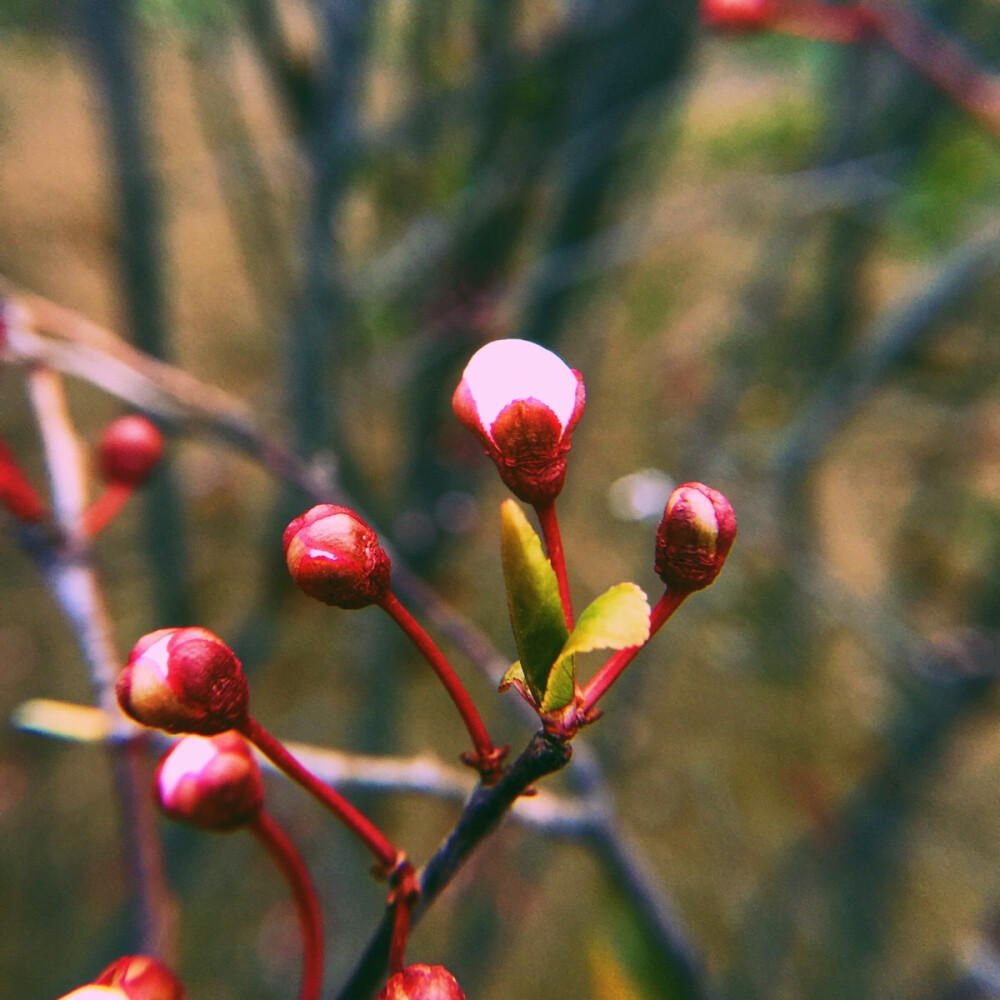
617, 619
536, 614
512, 675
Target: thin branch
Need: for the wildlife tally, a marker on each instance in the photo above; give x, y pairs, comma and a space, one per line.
480, 817
73, 581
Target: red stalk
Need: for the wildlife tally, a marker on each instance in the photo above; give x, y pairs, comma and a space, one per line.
292, 867
546, 513
594, 690
487, 758
388, 857
106, 507
16, 492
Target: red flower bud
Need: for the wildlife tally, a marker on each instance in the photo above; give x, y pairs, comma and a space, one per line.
129, 450
213, 783
141, 978
522, 402
336, 558
92, 992
694, 537
738, 15
422, 982
184, 680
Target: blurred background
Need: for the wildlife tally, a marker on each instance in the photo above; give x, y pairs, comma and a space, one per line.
775, 262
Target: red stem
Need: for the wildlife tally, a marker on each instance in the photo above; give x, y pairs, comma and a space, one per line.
594, 690
106, 507
389, 858
938, 58
546, 513
400, 936
16, 492
292, 867
487, 757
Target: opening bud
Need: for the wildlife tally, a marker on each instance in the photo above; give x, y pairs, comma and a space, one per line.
422, 982
129, 450
212, 783
184, 680
141, 978
522, 402
336, 558
694, 537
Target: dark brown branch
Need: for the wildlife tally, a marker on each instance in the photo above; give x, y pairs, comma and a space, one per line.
480, 817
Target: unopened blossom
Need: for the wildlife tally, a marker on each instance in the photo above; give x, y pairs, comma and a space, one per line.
129, 450
334, 556
213, 783
522, 403
422, 982
184, 680
694, 537
140, 977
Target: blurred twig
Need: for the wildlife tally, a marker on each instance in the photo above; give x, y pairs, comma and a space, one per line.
65, 565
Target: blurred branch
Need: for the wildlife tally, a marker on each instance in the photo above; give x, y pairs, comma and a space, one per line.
109, 31
887, 349
67, 570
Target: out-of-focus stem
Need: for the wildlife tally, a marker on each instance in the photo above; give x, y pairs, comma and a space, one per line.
292, 867
388, 857
106, 507
16, 491
594, 690
487, 758
549, 522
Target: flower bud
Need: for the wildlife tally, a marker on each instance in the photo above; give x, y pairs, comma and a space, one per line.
184, 680
336, 558
738, 15
92, 992
522, 402
213, 783
422, 982
141, 978
694, 537
129, 450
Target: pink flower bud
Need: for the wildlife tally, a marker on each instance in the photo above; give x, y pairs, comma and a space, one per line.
522, 402
694, 537
184, 680
213, 783
129, 450
422, 982
92, 992
141, 978
336, 558
738, 15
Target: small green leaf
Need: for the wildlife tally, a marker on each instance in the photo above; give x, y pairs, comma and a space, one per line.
536, 614
513, 674
617, 619
562, 685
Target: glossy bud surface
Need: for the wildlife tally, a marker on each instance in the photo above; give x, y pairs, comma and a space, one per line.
184, 680
212, 783
422, 982
694, 537
335, 557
